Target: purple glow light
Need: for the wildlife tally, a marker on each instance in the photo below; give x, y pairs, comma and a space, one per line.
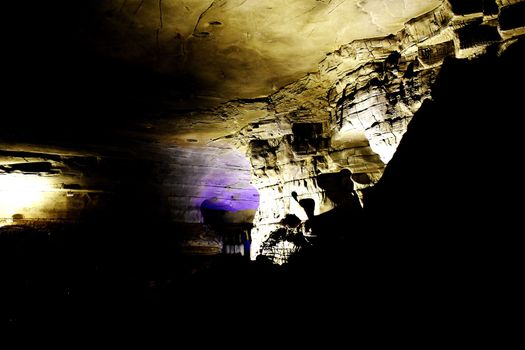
227, 183
215, 177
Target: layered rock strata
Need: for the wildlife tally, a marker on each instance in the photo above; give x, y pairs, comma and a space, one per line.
353, 112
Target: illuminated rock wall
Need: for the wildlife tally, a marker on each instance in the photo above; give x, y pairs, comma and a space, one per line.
354, 111
50, 186
216, 174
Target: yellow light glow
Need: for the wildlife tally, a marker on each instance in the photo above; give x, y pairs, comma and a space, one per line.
20, 193
5, 222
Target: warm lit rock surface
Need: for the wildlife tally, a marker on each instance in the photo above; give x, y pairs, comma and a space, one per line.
313, 87
228, 49
354, 111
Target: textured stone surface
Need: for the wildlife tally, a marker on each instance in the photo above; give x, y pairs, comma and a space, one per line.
50, 186
358, 106
282, 127
238, 48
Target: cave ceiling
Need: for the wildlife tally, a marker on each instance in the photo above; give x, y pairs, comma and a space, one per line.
104, 72
113, 63
233, 49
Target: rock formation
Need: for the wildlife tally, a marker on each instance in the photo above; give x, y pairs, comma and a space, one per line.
246, 156
353, 112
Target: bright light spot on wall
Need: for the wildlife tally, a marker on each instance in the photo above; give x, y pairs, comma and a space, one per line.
20, 193
6, 221
385, 151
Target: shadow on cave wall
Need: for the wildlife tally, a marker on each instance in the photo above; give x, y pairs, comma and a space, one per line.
445, 205
454, 168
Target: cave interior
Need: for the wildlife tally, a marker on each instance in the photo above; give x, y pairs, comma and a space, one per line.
188, 161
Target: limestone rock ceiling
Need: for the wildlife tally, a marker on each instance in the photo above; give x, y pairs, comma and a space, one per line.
228, 49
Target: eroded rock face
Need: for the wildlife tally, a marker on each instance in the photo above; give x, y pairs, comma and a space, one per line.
247, 156
354, 111
350, 114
